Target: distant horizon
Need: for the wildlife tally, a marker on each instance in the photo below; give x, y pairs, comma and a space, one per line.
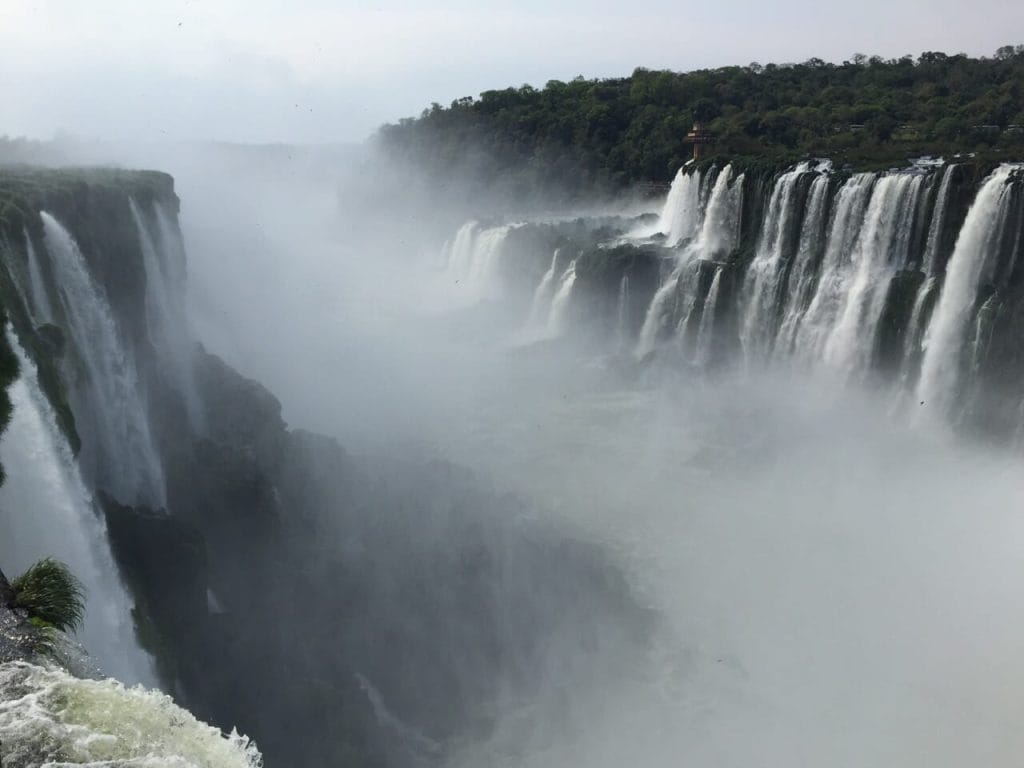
326, 73
71, 137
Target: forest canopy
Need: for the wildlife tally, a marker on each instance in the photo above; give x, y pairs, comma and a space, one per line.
588, 135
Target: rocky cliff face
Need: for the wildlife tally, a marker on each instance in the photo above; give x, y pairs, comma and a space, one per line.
19, 640
336, 609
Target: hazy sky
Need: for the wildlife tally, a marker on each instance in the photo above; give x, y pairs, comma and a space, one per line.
264, 70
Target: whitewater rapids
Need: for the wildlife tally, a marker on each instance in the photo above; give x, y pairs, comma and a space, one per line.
48, 717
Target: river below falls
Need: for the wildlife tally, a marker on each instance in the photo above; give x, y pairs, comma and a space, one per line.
837, 586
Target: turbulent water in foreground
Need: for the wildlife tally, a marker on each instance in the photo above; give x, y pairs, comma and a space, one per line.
48, 717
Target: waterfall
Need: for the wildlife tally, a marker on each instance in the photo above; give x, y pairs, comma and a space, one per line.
833, 279
117, 447
560, 304
681, 213
929, 265
460, 251
706, 331
763, 280
944, 339
622, 314
41, 310
803, 273
165, 315
158, 314
540, 307
48, 717
915, 327
658, 312
935, 228
848, 213
46, 511
687, 300
881, 248
720, 227
172, 246
717, 236
474, 261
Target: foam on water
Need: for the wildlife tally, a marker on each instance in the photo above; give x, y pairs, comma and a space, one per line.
48, 717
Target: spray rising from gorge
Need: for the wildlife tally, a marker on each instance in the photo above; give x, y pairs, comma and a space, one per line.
695, 508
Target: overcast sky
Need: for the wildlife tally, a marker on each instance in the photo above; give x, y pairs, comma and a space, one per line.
319, 71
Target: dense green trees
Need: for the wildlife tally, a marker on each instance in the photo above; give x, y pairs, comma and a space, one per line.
592, 134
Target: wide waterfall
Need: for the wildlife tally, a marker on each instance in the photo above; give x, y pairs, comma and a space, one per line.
46, 511
977, 247
648, 486
118, 453
752, 444
857, 275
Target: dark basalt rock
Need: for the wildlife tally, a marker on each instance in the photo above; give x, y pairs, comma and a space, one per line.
6, 592
51, 340
892, 327
19, 639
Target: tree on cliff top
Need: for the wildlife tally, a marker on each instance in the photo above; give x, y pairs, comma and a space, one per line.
583, 135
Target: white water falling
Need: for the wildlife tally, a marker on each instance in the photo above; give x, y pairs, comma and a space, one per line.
706, 331
929, 265
622, 314
116, 438
46, 511
165, 316
761, 285
847, 217
804, 270
560, 304
915, 327
944, 340
658, 312
880, 250
687, 297
717, 235
681, 214
982, 333
41, 310
474, 261
172, 246
719, 230
540, 307
460, 250
937, 224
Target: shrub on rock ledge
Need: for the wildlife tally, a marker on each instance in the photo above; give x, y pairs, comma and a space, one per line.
48, 591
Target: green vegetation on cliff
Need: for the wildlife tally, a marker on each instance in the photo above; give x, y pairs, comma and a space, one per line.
590, 135
51, 594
